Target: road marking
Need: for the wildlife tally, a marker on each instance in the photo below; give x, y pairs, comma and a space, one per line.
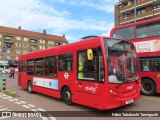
31, 105
11, 100
15, 99
9, 97
34, 110
44, 118
40, 109
150, 98
5, 97
18, 103
3, 109
52, 118
22, 102
26, 106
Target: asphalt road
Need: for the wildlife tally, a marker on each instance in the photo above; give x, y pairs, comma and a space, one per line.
24, 101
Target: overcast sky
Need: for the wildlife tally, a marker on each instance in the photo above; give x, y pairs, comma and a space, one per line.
74, 18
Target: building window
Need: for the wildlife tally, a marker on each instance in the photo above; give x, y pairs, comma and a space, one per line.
40, 47
140, 0
142, 11
18, 44
43, 41
156, 6
7, 57
33, 41
43, 47
18, 38
57, 44
18, 51
48, 42
25, 51
25, 45
125, 15
25, 39
8, 50
8, 38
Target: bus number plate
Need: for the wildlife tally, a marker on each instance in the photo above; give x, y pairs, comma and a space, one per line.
129, 101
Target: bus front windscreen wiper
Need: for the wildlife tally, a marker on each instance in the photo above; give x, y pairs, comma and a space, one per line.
125, 81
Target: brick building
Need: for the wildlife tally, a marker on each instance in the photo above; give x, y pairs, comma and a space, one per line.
125, 10
23, 41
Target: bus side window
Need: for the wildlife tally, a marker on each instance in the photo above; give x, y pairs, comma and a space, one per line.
51, 66
88, 68
21, 66
101, 66
66, 62
30, 66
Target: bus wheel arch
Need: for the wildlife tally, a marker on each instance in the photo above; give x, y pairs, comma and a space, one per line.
66, 95
148, 86
29, 86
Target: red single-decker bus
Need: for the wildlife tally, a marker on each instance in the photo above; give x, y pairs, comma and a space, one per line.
98, 72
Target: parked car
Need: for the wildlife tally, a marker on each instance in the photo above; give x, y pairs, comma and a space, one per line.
16, 70
6, 70
9, 69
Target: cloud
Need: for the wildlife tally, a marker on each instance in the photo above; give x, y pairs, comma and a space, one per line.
102, 5
36, 15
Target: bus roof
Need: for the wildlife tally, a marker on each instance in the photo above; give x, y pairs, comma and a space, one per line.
134, 24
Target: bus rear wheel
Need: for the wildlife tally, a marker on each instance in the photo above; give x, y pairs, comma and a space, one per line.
148, 87
29, 87
67, 96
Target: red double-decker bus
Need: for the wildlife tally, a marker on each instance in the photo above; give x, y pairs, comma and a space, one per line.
146, 37
98, 72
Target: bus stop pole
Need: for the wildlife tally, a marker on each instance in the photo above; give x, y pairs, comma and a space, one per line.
4, 78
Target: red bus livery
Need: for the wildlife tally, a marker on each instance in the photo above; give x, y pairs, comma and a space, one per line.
98, 72
146, 37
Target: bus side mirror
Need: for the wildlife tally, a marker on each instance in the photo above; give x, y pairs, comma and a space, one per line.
90, 54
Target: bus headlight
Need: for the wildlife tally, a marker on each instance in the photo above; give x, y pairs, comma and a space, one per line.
158, 76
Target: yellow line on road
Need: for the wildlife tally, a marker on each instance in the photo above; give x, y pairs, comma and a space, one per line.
151, 98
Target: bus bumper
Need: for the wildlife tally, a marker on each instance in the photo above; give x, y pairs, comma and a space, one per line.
111, 101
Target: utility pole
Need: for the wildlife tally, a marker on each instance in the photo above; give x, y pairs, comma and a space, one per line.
135, 11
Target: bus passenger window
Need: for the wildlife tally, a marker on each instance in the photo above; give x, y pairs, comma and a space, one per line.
30, 67
39, 67
66, 62
51, 66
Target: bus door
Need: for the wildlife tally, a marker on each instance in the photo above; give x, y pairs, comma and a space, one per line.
22, 73
90, 76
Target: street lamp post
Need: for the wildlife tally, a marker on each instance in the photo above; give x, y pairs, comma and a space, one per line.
135, 11
4, 61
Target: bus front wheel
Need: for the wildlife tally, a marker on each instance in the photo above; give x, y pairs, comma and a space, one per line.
30, 87
148, 87
67, 96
